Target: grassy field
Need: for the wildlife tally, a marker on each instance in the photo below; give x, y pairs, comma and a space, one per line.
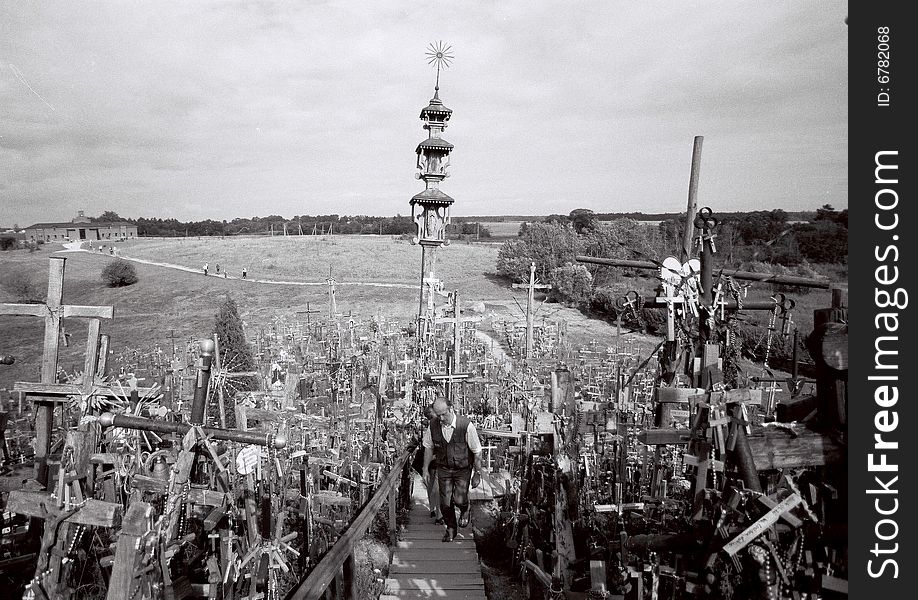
168, 301
503, 229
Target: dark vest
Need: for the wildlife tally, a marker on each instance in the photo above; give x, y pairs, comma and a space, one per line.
454, 454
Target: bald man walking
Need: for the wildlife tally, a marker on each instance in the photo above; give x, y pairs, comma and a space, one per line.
453, 441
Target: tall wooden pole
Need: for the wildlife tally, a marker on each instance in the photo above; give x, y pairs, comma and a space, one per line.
456, 314
529, 300
692, 207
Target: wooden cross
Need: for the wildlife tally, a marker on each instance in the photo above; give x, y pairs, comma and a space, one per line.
53, 311
458, 321
307, 312
531, 287
449, 378
671, 300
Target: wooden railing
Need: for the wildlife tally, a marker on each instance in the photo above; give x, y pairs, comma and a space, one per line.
338, 562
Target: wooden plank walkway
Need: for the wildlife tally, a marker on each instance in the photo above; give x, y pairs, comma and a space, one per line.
423, 566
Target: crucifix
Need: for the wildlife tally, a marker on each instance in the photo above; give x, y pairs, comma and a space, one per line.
532, 286
53, 311
307, 312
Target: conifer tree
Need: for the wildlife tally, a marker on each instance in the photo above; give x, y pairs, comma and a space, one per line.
235, 352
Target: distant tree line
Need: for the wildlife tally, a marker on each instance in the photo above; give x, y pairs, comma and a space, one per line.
298, 225
743, 240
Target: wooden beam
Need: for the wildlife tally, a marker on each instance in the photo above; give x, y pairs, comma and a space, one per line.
68, 389
741, 275
41, 505
775, 448
661, 437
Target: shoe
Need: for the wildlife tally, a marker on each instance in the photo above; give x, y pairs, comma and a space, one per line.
433, 514
439, 521
464, 518
450, 535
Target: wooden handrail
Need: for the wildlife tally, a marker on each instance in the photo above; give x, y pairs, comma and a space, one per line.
742, 275
323, 574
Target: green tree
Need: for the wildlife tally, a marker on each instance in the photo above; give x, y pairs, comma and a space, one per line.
620, 238
583, 219
235, 353
548, 245
571, 284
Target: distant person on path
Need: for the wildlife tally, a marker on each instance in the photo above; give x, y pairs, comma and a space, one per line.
217, 269
243, 272
205, 269
453, 441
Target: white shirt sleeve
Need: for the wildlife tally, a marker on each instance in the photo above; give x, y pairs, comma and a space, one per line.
471, 438
426, 440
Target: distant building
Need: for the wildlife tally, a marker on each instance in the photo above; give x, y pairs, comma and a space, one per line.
80, 228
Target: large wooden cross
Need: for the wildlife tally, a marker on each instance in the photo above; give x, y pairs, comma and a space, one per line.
457, 319
449, 378
532, 286
53, 310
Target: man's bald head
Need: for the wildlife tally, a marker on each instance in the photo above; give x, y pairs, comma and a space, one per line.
440, 407
443, 409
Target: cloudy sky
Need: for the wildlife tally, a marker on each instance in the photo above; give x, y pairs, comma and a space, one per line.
219, 110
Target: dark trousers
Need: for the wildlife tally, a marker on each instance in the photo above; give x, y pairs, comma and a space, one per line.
454, 493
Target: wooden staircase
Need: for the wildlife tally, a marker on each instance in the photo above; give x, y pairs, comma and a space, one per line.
423, 566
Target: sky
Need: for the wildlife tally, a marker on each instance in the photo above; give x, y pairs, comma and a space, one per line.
195, 110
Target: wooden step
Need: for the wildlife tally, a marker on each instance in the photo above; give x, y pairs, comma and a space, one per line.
435, 568
407, 554
435, 584
461, 543
442, 595
434, 534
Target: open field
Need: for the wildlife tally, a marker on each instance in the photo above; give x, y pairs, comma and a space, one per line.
169, 299
503, 229
184, 301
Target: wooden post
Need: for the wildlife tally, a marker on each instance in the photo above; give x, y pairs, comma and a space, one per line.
828, 344
566, 483
456, 326
393, 525
350, 577
134, 525
692, 207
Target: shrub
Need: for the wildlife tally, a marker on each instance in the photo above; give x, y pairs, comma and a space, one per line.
603, 301
7, 243
119, 273
571, 283
24, 287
